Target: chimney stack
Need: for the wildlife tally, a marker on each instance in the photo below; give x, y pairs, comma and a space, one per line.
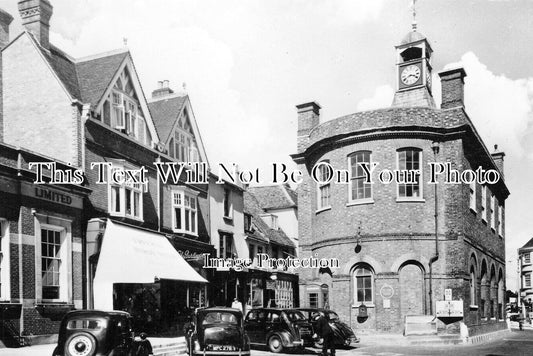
36, 16
497, 156
453, 84
5, 21
163, 89
308, 118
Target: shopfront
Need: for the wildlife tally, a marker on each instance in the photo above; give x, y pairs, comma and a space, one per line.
141, 272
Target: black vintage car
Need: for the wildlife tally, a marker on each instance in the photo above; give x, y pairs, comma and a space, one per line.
278, 328
218, 331
95, 333
344, 335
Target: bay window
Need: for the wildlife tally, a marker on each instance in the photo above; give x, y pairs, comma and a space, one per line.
126, 200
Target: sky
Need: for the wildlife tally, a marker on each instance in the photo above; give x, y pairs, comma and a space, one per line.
246, 65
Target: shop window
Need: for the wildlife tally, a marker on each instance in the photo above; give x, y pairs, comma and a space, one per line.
313, 300
4, 261
473, 196
126, 199
364, 285
324, 193
228, 208
225, 246
185, 212
409, 181
359, 190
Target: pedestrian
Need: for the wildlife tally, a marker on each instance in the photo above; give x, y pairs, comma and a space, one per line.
237, 305
144, 347
324, 330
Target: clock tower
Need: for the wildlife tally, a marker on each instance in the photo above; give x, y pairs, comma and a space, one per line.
413, 71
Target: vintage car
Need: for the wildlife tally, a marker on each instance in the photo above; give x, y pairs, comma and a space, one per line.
95, 333
278, 328
218, 331
344, 335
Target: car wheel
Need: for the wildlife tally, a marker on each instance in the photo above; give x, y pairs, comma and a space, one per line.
80, 344
274, 344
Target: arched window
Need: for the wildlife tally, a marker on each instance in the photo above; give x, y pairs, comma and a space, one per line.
409, 181
472, 286
359, 189
363, 285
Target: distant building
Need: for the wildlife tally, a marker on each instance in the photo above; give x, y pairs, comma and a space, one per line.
525, 256
403, 244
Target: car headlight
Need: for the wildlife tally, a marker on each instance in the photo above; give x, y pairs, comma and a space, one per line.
197, 346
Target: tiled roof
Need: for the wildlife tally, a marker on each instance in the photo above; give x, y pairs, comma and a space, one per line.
164, 113
65, 69
529, 244
274, 196
95, 75
253, 207
85, 80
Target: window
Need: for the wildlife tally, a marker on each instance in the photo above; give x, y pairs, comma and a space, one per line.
313, 300
500, 220
225, 246
4, 261
271, 220
359, 190
118, 111
228, 209
363, 285
492, 213
251, 251
259, 250
484, 202
472, 286
473, 196
126, 199
53, 262
184, 212
527, 280
409, 163
247, 222
527, 258
324, 193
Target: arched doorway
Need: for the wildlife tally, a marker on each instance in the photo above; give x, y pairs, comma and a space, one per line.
412, 289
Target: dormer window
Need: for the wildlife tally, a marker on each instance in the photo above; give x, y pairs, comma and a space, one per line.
271, 220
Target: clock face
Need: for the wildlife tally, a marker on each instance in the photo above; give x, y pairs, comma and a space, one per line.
410, 74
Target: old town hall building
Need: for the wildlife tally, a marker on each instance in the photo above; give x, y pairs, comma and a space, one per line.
408, 250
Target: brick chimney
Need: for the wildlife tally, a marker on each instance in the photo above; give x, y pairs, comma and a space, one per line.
497, 156
5, 20
308, 118
452, 83
163, 89
35, 15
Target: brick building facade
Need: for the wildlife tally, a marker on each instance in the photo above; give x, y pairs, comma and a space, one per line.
402, 243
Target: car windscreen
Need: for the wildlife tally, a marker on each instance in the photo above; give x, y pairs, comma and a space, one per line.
333, 316
219, 317
295, 315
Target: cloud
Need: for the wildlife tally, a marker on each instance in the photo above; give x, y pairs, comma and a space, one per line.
382, 98
500, 107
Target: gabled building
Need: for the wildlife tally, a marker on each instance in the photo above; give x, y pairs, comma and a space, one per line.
127, 243
525, 254
267, 285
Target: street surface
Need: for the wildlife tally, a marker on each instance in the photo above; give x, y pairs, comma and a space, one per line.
517, 343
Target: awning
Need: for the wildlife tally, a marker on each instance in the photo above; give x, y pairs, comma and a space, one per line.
131, 255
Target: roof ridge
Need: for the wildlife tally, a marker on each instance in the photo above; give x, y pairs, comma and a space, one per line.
102, 55
170, 96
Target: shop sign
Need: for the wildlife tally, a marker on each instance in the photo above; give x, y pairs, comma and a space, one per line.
189, 256
451, 308
52, 195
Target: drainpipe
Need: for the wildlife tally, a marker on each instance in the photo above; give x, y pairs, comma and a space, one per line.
434, 258
158, 188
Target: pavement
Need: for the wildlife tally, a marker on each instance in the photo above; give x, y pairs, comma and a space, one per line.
514, 343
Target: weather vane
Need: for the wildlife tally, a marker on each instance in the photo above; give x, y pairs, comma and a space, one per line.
413, 6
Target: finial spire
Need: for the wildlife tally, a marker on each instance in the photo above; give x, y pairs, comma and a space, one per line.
413, 6
125, 41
